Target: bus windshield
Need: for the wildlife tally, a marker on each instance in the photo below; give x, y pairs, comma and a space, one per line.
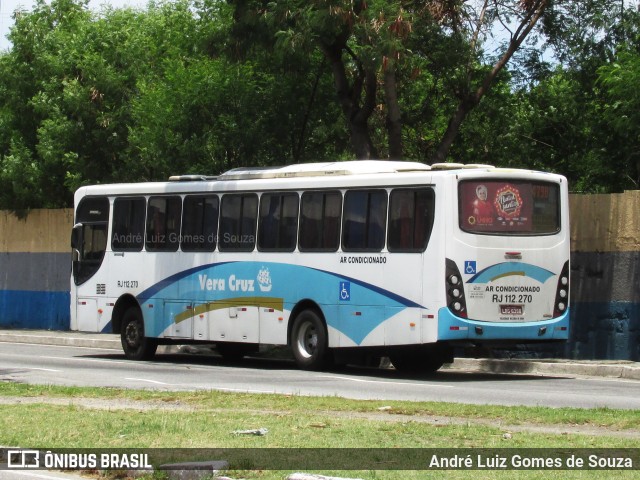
507, 207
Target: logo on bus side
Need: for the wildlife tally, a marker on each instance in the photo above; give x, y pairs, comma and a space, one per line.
235, 284
264, 280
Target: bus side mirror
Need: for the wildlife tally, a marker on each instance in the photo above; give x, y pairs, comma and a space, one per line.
76, 237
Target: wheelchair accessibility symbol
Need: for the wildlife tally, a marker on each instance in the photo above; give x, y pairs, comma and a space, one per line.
470, 267
345, 291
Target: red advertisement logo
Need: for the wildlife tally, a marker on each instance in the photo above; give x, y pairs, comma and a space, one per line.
508, 202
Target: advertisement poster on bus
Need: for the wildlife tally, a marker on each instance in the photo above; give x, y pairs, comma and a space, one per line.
495, 206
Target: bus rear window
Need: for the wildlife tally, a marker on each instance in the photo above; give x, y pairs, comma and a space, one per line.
502, 207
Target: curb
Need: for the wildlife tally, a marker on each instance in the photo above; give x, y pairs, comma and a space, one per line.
68, 339
625, 370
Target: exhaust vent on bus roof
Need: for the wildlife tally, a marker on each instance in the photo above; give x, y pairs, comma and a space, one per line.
478, 165
447, 166
191, 178
355, 167
458, 166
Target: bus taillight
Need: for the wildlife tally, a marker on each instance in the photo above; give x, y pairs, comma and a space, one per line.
562, 292
455, 290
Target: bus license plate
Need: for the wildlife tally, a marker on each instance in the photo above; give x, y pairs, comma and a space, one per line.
511, 309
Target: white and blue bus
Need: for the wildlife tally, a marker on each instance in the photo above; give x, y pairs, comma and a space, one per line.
396, 259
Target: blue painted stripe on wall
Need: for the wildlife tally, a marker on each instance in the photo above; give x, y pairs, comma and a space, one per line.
34, 310
35, 271
605, 331
605, 277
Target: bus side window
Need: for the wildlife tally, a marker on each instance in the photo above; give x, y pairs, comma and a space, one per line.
128, 224
238, 214
199, 223
163, 223
365, 218
410, 219
278, 222
320, 221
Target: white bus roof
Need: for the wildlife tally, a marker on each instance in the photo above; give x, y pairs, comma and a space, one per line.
354, 167
361, 171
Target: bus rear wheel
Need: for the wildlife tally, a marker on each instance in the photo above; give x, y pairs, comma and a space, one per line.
309, 341
134, 343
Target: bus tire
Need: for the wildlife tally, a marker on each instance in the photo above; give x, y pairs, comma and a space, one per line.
309, 341
134, 343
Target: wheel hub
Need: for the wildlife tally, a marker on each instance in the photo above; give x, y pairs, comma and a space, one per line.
132, 334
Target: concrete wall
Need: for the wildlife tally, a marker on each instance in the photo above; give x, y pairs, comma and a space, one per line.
35, 267
605, 275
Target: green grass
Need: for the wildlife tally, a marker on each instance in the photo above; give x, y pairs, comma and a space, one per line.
208, 420
295, 404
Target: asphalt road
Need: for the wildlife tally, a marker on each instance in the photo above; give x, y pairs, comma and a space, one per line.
38, 475
78, 366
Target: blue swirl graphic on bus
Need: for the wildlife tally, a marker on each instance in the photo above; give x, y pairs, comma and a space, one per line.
218, 285
507, 269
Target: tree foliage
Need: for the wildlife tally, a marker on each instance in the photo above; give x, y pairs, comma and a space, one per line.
373, 48
204, 86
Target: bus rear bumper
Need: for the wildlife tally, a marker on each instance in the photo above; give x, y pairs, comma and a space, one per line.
452, 327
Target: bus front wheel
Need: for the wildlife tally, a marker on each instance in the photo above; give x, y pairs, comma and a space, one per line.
134, 344
309, 341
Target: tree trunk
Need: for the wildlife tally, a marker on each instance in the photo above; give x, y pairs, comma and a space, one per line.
394, 124
361, 140
471, 101
450, 134
356, 110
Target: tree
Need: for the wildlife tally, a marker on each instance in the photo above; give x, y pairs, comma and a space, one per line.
524, 16
69, 81
34, 75
368, 45
582, 113
128, 95
621, 112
